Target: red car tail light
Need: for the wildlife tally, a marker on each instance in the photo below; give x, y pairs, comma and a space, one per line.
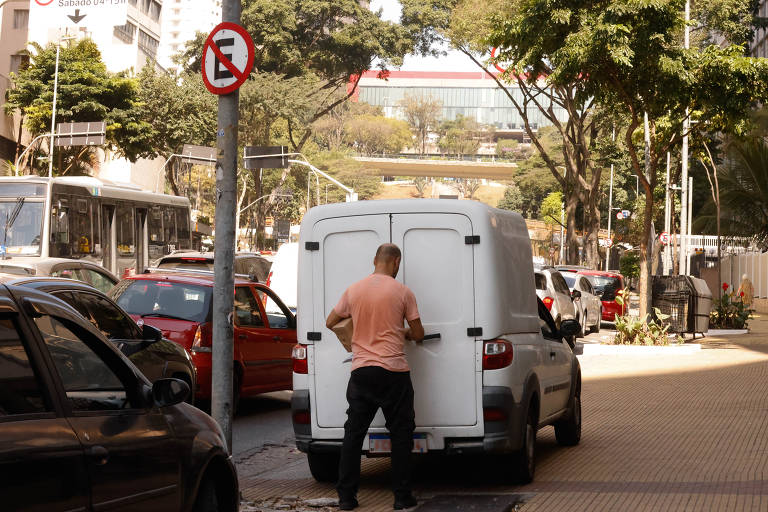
302, 417
203, 340
299, 356
548, 302
494, 414
497, 354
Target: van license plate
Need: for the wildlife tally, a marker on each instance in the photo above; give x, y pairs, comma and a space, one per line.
381, 443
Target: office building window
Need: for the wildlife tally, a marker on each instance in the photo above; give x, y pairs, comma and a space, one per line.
19, 62
154, 11
21, 19
148, 43
125, 32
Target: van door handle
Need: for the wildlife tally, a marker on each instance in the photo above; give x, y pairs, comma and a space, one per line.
98, 453
552, 355
427, 337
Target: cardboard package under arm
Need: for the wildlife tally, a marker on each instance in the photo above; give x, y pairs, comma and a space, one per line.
343, 330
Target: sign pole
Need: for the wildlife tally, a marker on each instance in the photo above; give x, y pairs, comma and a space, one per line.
222, 406
53, 115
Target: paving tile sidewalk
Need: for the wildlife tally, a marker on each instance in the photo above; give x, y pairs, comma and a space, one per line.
660, 433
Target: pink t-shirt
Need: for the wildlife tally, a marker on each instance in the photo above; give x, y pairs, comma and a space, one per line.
378, 305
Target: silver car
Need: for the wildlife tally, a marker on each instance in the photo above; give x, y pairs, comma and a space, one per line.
553, 291
589, 307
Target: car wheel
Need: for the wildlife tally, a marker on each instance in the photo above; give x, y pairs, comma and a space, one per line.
596, 328
525, 459
207, 501
324, 466
581, 332
568, 429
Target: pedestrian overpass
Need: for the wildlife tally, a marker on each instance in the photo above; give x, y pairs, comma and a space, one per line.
438, 168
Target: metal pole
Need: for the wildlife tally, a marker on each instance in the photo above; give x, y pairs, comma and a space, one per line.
667, 221
684, 219
690, 211
610, 214
224, 250
562, 232
53, 115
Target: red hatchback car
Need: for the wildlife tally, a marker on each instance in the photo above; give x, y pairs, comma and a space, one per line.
180, 305
607, 285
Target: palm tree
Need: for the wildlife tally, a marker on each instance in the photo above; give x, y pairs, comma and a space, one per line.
743, 184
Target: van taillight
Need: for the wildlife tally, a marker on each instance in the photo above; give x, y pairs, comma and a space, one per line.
497, 354
202, 341
299, 356
302, 417
548, 302
494, 414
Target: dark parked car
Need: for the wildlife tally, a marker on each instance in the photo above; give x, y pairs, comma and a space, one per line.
145, 346
246, 263
82, 429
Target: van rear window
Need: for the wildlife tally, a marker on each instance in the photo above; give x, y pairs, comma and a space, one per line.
163, 299
541, 281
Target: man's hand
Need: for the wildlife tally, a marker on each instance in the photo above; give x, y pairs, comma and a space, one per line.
415, 331
333, 319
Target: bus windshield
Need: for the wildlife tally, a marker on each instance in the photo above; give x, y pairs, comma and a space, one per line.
23, 237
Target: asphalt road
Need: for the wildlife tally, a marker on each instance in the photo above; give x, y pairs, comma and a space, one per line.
262, 421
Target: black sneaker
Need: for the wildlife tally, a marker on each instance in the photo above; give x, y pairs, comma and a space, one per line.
405, 502
348, 503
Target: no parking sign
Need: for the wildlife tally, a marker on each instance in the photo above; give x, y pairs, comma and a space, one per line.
227, 58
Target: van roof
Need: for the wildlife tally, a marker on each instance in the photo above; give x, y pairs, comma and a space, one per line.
373, 207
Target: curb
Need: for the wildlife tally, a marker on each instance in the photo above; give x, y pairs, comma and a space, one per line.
726, 332
593, 349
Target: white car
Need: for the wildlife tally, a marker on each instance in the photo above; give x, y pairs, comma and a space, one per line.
553, 291
493, 368
589, 307
283, 274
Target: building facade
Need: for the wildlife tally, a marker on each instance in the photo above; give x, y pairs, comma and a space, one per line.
14, 27
759, 46
181, 20
471, 94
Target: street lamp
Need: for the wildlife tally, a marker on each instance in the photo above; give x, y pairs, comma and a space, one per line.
55, 94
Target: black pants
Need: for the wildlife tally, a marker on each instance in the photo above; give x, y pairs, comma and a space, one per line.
369, 388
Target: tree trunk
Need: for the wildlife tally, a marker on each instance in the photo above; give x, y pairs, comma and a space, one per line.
592, 232
571, 238
645, 257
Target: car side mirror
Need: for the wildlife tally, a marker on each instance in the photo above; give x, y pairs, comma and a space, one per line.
575, 294
569, 328
150, 333
166, 392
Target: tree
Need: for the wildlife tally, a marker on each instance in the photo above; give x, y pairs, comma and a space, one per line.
628, 56
86, 92
376, 134
460, 136
467, 187
180, 111
329, 130
551, 208
420, 182
422, 113
512, 200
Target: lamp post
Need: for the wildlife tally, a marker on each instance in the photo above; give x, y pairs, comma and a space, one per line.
55, 97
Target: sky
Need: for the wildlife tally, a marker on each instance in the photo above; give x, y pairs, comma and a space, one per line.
454, 61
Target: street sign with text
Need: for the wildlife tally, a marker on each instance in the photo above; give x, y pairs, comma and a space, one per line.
227, 58
80, 134
78, 13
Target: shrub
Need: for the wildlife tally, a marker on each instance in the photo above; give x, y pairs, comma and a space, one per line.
631, 330
728, 313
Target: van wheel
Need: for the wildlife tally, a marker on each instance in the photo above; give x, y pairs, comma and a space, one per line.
324, 466
525, 459
568, 429
207, 501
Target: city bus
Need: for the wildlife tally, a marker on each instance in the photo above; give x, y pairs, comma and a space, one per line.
118, 226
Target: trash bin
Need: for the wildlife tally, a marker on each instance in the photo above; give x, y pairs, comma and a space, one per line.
687, 300
699, 306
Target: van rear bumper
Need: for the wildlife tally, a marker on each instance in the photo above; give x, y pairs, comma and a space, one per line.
499, 436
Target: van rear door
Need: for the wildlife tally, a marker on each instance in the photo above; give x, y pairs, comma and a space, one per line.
438, 266
347, 246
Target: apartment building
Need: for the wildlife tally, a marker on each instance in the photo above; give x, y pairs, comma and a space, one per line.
181, 20
14, 25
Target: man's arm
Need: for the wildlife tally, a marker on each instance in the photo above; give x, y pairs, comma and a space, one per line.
415, 331
333, 319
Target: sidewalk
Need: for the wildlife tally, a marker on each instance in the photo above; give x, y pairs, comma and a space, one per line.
660, 434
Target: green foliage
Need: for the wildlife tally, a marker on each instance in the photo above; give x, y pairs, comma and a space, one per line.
349, 172
422, 114
512, 200
507, 148
629, 265
86, 92
729, 312
632, 330
460, 136
370, 134
551, 208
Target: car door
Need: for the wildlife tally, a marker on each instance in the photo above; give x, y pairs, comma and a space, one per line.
591, 302
555, 358
253, 342
282, 327
566, 308
132, 458
41, 459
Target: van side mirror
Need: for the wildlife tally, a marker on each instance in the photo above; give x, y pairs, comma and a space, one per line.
150, 333
575, 294
569, 328
166, 392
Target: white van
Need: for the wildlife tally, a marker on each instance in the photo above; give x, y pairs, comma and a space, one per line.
282, 274
491, 378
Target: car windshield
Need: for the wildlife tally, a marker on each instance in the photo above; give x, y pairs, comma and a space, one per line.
23, 237
163, 299
187, 263
606, 286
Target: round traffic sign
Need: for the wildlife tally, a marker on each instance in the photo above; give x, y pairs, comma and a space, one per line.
43, 3
664, 238
619, 215
227, 58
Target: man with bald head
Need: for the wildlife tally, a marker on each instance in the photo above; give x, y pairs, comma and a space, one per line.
379, 306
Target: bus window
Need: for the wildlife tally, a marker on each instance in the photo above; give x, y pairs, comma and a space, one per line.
81, 226
126, 241
155, 229
169, 229
182, 224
